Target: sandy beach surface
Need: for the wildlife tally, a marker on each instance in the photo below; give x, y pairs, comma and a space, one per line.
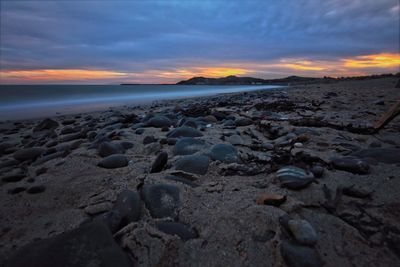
288, 177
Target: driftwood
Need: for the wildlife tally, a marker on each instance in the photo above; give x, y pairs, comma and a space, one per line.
388, 116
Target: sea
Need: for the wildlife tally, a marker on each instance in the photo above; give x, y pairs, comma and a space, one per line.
36, 101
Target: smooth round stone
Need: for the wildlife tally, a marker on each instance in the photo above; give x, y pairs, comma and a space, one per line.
243, 122
13, 177
318, 171
300, 256
184, 131
139, 131
210, 118
129, 206
159, 121
160, 162
229, 123
303, 232
28, 153
298, 145
5, 146
190, 123
351, 164
197, 164
294, 178
188, 146
108, 148
162, 200
184, 231
149, 139
225, 153
114, 161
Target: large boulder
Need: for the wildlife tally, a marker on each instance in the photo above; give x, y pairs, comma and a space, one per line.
89, 245
162, 200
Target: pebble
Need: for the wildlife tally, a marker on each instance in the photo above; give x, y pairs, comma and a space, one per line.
149, 139
114, 161
298, 145
159, 121
160, 162
243, 122
318, 171
294, 178
162, 200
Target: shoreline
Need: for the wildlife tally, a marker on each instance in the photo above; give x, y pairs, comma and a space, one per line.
265, 178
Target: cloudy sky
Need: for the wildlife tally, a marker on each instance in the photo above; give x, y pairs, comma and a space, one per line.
105, 42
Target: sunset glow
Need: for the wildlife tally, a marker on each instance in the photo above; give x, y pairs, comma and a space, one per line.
384, 60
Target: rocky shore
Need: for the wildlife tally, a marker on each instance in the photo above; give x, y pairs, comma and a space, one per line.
289, 177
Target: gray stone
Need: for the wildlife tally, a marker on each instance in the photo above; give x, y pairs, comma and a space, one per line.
184, 131
162, 200
300, 256
235, 139
129, 206
350, 164
114, 161
89, 245
159, 121
294, 178
303, 232
188, 146
225, 153
384, 155
197, 164
243, 122
46, 124
109, 148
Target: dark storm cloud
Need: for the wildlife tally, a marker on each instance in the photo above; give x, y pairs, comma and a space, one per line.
140, 35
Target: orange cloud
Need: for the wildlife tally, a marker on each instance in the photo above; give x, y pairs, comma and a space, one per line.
384, 60
202, 71
59, 75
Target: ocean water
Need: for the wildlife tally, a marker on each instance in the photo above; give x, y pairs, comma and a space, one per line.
35, 101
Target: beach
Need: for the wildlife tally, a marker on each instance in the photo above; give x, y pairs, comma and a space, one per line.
293, 176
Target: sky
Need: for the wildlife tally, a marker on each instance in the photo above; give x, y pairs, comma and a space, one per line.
111, 42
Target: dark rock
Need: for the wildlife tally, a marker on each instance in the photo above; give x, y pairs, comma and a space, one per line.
89, 245
69, 130
384, 155
16, 190
375, 144
229, 123
28, 153
303, 232
188, 146
149, 139
300, 256
197, 164
318, 171
139, 131
159, 121
184, 231
14, 177
8, 163
128, 206
243, 122
46, 124
294, 178
68, 122
109, 148
189, 123
162, 200
160, 162
225, 153
351, 164
196, 111
126, 145
356, 191
114, 161
36, 189
184, 131
6, 146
